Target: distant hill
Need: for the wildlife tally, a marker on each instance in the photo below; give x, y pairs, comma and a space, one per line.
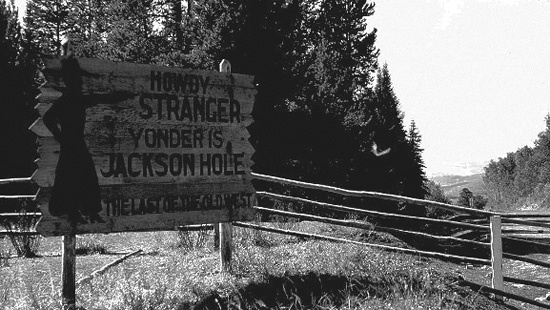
453, 184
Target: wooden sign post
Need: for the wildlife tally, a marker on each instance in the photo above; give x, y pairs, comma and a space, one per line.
128, 147
225, 229
68, 271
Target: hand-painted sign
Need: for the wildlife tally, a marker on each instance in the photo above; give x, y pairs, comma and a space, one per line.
168, 146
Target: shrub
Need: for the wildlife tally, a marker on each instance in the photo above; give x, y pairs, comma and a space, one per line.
87, 245
192, 239
24, 242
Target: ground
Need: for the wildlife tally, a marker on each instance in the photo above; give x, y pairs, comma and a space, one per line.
269, 271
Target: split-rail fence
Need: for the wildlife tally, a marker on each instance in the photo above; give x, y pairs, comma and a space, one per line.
484, 222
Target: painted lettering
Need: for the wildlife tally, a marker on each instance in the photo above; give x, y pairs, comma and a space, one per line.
189, 109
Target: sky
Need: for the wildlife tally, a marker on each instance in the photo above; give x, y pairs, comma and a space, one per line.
474, 75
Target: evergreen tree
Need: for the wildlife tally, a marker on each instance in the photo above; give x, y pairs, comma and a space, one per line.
342, 55
415, 177
317, 116
18, 68
499, 180
388, 141
50, 21
436, 193
514, 179
467, 199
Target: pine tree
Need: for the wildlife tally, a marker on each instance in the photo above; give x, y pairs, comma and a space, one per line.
388, 141
415, 178
18, 68
50, 21
342, 55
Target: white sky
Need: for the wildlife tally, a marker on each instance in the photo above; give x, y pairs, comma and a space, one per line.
473, 74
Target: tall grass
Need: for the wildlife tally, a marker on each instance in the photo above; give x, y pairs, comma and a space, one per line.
89, 244
190, 240
288, 273
24, 245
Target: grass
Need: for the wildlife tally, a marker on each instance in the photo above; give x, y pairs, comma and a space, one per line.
24, 245
269, 271
89, 244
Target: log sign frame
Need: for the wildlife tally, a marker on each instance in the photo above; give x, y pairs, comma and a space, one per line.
170, 146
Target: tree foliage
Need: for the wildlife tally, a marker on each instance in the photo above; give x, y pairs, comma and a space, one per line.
325, 111
18, 63
467, 199
512, 179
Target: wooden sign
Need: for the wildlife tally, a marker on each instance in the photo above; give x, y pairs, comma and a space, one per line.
169, 146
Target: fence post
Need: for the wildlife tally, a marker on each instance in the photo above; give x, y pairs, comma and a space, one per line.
68, 271
226, 229
216, 236
496, 253
226, 240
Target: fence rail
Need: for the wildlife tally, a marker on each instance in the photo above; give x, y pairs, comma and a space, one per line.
369, 194
471, 219
17, 197
493, 217
18, 233
15, 180
473, 260
373, 213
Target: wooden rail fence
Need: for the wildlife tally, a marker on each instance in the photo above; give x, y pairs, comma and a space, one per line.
471, 219
494, 218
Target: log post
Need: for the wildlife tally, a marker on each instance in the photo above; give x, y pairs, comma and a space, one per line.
496, 254
68, 255
225, 229
68, 271
216, 236
226, 246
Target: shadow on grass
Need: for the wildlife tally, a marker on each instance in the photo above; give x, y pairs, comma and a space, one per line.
301, 291
305, 292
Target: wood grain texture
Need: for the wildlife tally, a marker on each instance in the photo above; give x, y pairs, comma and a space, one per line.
226, 246
51, 226
138, 191
497, 281
370, 194
68, 271
378, 246
152, 132
103, 77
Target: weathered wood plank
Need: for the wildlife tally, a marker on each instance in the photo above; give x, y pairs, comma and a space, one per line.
51, 226
47, 96
124, 168
366, 212
370, 194
68, 271
120, 124
14, 180
17, 197
166, 143
496, 253
156, 190
379, 246
164, 110
40, 129
99, 77
173, 138
226, 246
